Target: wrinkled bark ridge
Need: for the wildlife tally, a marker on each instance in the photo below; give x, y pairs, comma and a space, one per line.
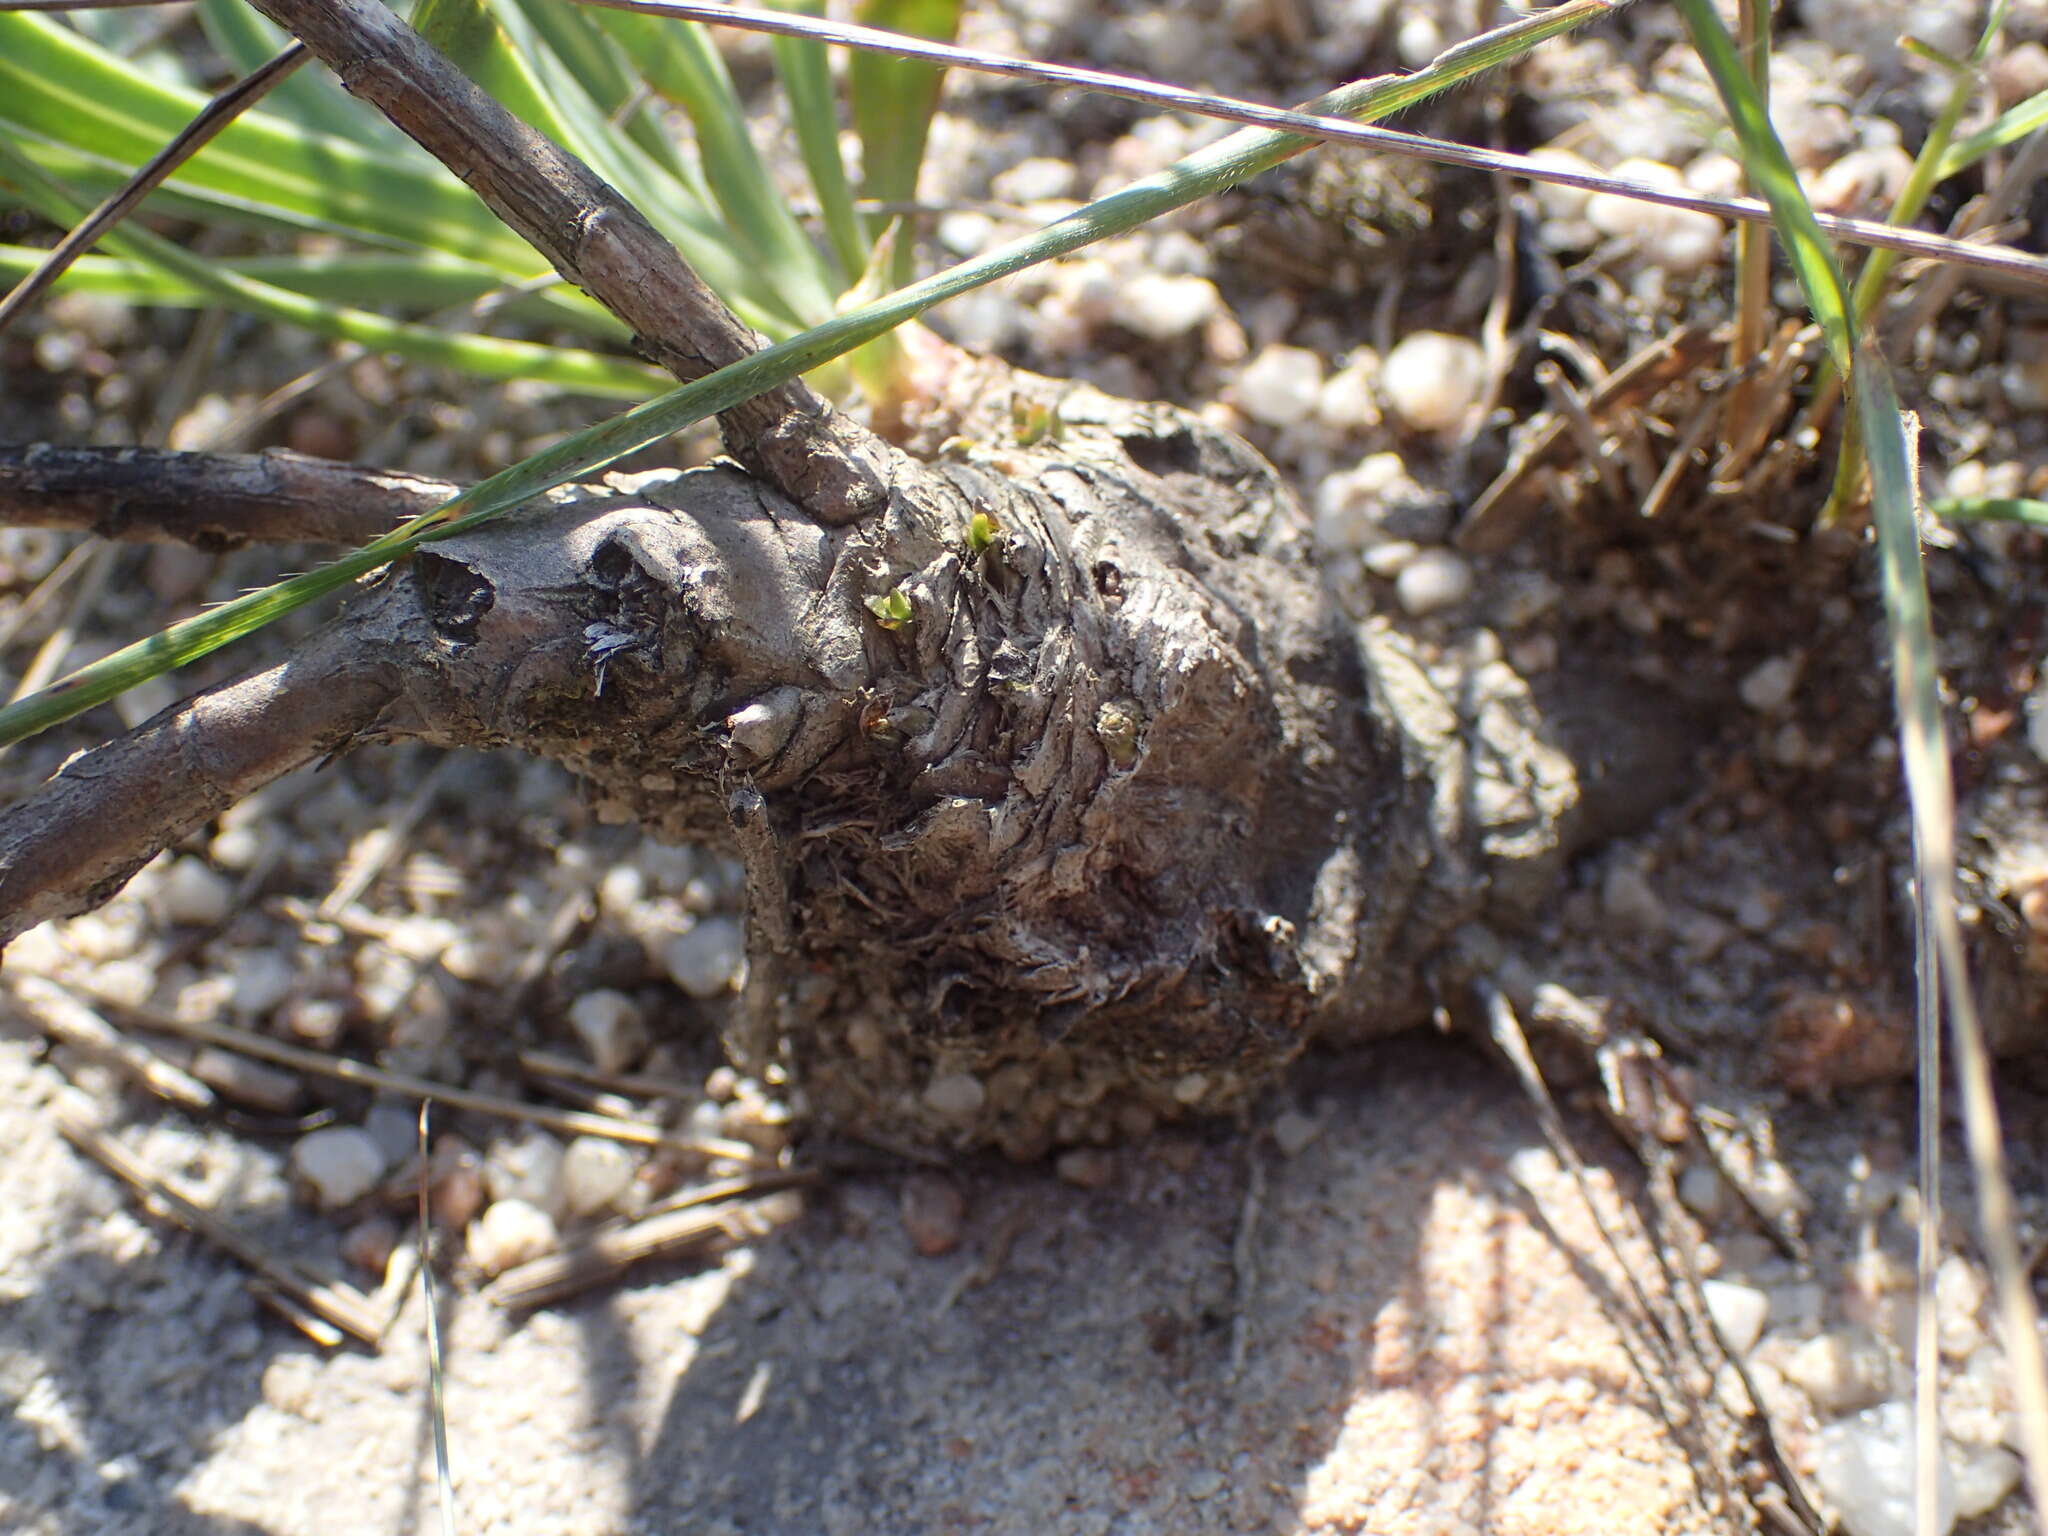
1107, 828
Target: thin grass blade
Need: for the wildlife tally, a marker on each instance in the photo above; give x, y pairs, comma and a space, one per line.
190, 139
474, 39
612, 80
245, 39
806, 71
57, 86
679, 61
1199, 175
484, 356
893, 101
1768, 166
426, 283
2011, 125
1930, 789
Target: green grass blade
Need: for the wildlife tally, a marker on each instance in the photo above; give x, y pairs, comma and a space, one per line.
1924, 757
677, 207
2011, 125
1764, 158
312, 100
679, 61
1999, 509
484, 356
1927, 170
474, 39
805, 69
57, 86
614, 83
893, 102
425, 283
1208, 171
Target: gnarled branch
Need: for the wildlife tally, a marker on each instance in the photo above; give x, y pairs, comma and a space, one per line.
80, 837
1091, 817
217, 501
828, 464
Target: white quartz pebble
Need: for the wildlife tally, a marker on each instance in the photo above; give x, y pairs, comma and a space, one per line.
528, 1169
706, 959
1162, 305
1281, 385
1865, 1469
1432, 381
611, 1029
1738, 1312
193, 894
956, 1095
1434, 580
1985, 1475
509, 1233
337, 1165
596, 1174
1768, 687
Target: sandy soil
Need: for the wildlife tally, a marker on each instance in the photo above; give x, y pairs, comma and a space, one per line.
1410, 1324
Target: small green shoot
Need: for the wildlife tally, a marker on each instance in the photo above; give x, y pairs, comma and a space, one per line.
1033, 422
891, 609
982, 533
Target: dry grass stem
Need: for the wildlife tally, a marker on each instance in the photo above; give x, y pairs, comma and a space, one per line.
1503, 509
65, 1020
606, 1254
573, 1122
332, 1301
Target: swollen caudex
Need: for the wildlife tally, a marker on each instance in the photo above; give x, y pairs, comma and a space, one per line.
1067, 799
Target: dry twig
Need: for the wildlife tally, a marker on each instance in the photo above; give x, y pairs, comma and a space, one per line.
829, 465
216, 501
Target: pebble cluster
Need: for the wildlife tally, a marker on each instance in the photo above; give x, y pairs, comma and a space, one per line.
1829, 1347
389, 979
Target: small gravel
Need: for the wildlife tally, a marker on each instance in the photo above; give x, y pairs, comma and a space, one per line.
707, 961
933, 1209
1281, 386
1434, 580
1086, 1167
1162, 305
527, 1168
1432, 381
337, 1165
956, 1095
597, 1174
194, 895
1739, 1313
612, 1028
1769, 686
510, 1233
1865, 1469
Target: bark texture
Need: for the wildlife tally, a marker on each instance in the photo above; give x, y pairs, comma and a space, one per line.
108, 812
1121, 815
598, 241
214, 501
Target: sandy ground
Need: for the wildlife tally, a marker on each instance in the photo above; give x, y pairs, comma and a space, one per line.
1407, 1327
